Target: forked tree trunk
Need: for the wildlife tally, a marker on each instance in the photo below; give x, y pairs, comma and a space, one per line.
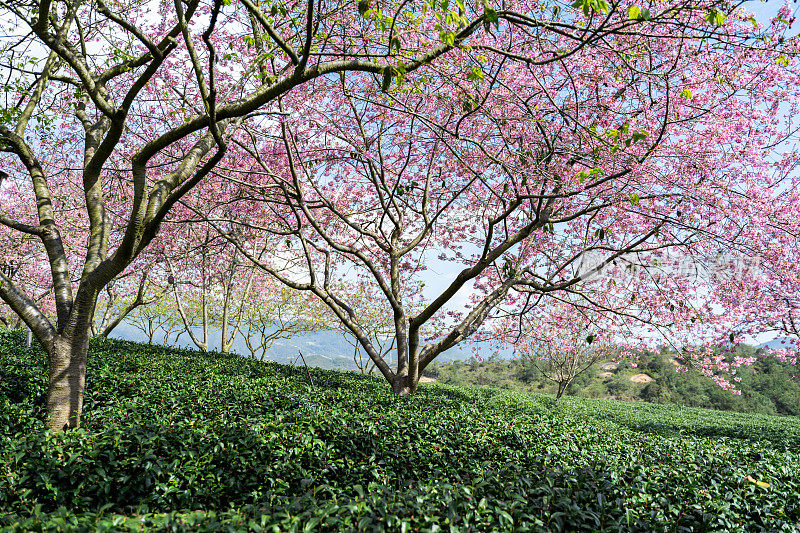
401, 385
405, 384
562, 387
67, 381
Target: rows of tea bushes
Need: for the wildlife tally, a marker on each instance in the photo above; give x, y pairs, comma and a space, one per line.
175, 440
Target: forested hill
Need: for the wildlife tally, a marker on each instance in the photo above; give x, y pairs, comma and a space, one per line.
179, 441
768, 387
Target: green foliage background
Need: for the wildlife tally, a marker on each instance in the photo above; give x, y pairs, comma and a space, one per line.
181, 441
767, 387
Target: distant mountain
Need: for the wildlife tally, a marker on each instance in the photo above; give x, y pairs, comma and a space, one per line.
777, 344
326, 349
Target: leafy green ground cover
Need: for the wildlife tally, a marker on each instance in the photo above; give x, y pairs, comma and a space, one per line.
174, 440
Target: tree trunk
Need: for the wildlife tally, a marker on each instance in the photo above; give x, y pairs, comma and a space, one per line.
562, 388
67, 381
402, 385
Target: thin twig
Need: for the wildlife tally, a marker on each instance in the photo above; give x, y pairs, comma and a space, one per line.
307, 370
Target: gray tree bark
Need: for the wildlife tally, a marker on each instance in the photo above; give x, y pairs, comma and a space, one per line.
67, 381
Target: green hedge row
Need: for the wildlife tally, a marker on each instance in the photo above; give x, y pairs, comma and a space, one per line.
175, 440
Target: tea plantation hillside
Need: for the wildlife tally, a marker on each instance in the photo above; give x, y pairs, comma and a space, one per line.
174, 440
769, 386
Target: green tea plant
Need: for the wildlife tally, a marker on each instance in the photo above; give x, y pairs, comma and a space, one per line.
177, 440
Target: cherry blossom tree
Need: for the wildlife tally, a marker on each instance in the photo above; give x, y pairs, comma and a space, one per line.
562, 343
116, 112
376, 323
543, 174
764, 296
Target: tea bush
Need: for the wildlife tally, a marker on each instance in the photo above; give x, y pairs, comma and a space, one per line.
176, 440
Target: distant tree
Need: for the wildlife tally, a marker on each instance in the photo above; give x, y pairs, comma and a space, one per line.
653, 392
211, 288
158, 321
124, 295
563, 345
276, 312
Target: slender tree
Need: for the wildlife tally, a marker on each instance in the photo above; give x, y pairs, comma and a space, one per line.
562, 341
544, 175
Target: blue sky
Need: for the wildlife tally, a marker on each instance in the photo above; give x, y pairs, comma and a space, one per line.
765, 10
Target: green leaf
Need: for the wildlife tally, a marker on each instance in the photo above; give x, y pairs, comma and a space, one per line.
476, 74
634, 198
634, 13
490, 16
716, 18
447, 37
388, 74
